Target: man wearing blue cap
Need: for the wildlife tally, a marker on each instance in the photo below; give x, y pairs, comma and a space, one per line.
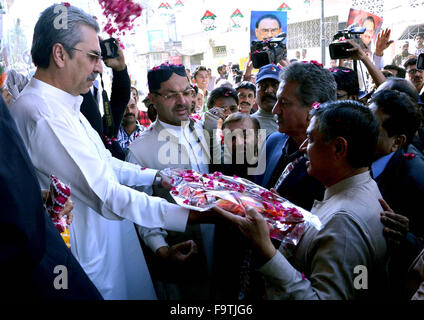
267, 82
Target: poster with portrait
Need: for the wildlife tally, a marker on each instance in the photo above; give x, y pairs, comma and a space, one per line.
267, 24
367, 20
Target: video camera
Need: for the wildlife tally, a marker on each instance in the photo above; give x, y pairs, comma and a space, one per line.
338, 49
109, 49
420, 61
268, 51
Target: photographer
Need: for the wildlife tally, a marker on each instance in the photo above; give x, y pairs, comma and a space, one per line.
357, 53
121, 91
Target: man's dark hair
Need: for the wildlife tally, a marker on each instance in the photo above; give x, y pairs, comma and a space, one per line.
316, 84
235, 67
198, 69
219, 93
346, 79
240, 116
162, 73
400, 71
220, 67
196, 89
268, 16
355, 123
247, 85
46, 35
370, 18
418, 35
401, 85
410, 62
387, 73
403, 113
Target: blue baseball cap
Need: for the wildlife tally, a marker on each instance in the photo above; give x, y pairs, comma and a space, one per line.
269, 71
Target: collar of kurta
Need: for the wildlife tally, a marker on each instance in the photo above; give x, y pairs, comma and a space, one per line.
72, 103
175, 130
261, 112
348, 183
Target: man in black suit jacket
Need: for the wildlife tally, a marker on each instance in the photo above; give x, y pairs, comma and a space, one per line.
398, 167
302, 84
31, 246
398, 170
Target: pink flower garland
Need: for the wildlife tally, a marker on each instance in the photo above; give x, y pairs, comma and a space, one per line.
120, 15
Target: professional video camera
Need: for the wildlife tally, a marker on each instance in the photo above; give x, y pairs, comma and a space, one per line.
420, 61
338, 49
268, 51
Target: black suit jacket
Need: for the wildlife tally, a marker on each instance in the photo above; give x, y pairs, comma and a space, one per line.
31, 246
300, 188
402, 186
121, 91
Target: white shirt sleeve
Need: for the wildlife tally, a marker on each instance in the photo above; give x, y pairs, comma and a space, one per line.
62, 147
154, 238
378, 61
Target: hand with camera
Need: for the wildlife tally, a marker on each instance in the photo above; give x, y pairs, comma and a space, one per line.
117, 63
357, 53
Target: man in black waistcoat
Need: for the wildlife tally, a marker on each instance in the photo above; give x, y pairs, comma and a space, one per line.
31, 246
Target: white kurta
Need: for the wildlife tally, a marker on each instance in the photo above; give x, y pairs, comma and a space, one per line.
61, 142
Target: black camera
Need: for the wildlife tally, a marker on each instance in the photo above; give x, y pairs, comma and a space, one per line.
109, 49
420, 61
268, 51
338, 50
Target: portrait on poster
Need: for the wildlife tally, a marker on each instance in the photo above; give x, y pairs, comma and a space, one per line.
267, 24
369, 21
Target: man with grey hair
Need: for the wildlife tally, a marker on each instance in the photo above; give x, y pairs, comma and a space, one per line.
302, 85
61, 142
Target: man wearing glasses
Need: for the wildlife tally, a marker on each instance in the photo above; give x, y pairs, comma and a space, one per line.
267, 27
174, 140
60, 141
416, 76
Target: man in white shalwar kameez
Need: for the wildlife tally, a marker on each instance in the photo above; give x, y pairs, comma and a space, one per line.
61, 142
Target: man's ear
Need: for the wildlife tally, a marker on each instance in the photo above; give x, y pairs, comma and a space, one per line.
398, 142
59, 55
152, 98
340, 146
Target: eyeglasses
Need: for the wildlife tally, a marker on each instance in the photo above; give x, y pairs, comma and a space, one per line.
414, 71
173, 96
94, 56
273, 30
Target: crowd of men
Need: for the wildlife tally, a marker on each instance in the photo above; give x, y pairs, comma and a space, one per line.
351, 157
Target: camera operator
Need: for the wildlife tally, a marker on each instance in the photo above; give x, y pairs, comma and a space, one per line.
357, 53
121, 91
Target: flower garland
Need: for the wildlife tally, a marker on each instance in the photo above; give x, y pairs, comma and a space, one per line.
120, 15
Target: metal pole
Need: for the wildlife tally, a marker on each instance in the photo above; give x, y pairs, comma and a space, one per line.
322, 33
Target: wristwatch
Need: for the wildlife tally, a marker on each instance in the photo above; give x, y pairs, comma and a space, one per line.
158, 181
